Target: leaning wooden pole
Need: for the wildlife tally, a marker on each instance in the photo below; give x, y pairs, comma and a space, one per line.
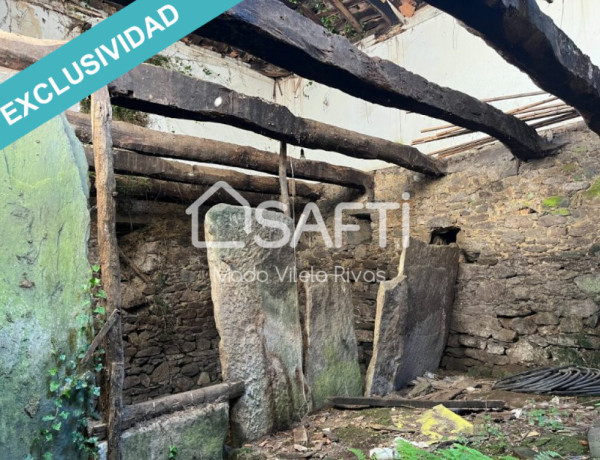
285, 193
112, 402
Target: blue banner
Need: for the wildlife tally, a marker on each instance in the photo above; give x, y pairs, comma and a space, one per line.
95, 58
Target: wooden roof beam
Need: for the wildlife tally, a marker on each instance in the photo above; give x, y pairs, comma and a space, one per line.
527, 38
157, 143
186, 97
133, 164
269, 29
338, 5
182, 96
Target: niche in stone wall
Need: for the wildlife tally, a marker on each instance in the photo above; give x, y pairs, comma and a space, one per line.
444, 236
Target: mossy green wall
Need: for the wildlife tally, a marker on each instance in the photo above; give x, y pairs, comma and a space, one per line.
44, 222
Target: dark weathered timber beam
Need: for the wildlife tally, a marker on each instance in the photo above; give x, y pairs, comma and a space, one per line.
271, 31
146, 189
345, 401
181, 96
170, 93
131, 163
527, 38
149, 142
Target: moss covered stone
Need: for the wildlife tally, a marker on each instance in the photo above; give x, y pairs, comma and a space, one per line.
331, 350
43, 265
555, 202
258, 317
196, 433
594, 190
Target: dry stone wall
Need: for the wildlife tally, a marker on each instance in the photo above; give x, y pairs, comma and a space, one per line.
170, 337
528, 285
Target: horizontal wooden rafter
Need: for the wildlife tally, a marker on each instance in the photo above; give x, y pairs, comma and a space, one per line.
170, 93
156, 190
131, 163
186, 97
527, 38
162, 144
270, 30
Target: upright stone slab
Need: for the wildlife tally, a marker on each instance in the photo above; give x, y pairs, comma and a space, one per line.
331, 351
413, 317
44, 222
255, 297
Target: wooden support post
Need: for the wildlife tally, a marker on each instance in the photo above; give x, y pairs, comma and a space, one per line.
285, 193
112, 401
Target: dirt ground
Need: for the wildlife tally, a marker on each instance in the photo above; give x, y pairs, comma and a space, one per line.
529, 426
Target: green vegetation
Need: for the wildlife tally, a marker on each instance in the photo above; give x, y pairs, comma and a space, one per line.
553, 202
71, 384
545, 419
160, 61
594, 190
119, 113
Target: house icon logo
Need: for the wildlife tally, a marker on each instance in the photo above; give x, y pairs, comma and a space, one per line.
193, 211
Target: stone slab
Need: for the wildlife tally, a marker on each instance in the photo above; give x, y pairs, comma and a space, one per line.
258, 322
413, 317
331, 351
44, 222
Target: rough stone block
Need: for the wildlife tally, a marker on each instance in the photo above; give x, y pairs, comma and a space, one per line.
413, 317
197, 433
44, 221
331, 352
258, 320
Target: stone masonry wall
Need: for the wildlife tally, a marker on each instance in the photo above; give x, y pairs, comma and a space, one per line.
528, 290
169, 332
529, 283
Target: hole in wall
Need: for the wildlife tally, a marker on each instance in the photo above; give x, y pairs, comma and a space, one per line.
444, 236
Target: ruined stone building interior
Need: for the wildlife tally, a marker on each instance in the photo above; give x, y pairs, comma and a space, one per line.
436, 169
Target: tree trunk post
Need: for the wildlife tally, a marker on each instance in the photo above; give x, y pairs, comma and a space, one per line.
285, 193
112, 401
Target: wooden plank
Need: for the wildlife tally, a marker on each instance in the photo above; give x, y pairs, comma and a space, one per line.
131, 163
108, 250
415, 404
110, 322
149, 410
338, 5
266, 28
181, 96
529, 39
149, 142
